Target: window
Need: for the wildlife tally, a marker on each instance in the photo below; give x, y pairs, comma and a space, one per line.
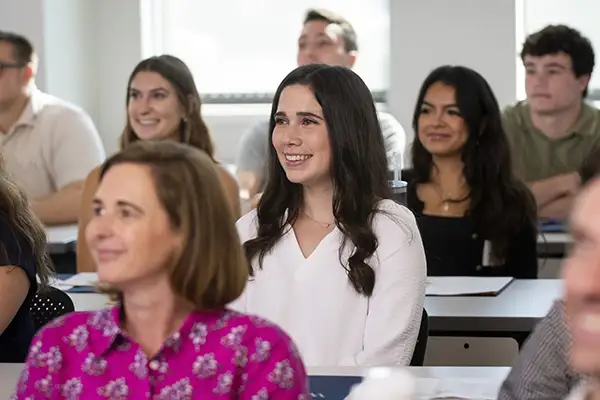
239, 50
579, 14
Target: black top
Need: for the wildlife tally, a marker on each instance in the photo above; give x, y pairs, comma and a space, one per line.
16, 251
454, 247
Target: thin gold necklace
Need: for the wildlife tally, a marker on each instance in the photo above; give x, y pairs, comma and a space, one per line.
447, 201
322, 224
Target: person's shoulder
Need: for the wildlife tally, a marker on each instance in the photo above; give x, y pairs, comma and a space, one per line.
594, 119
390, 211
257, 131
14, 242
93, 177
52, 106
54, 331
515, 113
556, 315
247, 225
388, 122
226, 176
394, 222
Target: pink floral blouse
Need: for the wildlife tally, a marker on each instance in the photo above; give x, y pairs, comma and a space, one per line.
215, 355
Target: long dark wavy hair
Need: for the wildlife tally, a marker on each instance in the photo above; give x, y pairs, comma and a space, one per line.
500, 204
358, 170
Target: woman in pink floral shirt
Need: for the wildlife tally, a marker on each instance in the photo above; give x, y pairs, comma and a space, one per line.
165, 244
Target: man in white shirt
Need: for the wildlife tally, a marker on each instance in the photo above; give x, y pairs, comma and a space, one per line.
581, 274
49, 146
326, 38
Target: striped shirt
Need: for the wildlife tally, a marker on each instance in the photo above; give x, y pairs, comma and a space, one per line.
542, 369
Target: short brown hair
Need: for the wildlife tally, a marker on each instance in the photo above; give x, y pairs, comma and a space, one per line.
193, 129
348, 32
23, 52
555, 39
211, 271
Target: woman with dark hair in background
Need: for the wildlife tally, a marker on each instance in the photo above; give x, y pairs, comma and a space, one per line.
476, 218
334, 262
162, 103
22, 257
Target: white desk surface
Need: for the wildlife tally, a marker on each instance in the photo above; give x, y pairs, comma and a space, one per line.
61, 234
555, 237
516, 309
89, 301
61, 239
9, 374
497, 373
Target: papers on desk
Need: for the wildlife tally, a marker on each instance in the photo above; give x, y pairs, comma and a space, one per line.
82, 279
457, 388
466, 285
61, 234
57, 283
331, 387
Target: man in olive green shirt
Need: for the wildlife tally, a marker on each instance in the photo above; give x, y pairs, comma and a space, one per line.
554, 130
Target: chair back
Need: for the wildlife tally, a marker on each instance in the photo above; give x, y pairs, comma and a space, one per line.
49, 304
418, 357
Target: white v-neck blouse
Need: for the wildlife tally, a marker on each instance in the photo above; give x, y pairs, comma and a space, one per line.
313, 300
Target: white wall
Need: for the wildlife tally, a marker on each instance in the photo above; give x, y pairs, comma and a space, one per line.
88, 49
27, 18
69, 60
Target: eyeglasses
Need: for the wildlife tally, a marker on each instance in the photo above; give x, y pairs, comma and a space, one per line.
5, 65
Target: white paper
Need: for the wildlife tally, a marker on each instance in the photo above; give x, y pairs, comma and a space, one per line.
82, 279
465, 285
61, 234
61, 286
458, 388
57, 283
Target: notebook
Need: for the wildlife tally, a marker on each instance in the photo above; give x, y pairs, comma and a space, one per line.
466, 285
331, 387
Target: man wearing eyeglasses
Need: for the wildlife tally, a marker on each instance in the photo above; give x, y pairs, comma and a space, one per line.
49, 146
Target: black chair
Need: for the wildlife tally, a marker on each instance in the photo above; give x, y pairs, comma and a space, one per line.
418, 358
48, 304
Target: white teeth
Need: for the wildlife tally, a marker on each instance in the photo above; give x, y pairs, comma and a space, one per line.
148, 121
590, 322
297, 157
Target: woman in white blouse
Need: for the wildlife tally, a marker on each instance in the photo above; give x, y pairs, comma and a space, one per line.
335, 263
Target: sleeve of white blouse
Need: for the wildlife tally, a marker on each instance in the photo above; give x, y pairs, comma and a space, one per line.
246, 227
396, 306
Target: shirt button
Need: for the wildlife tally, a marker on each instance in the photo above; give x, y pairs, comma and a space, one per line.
474, 236
478, 268
154, 364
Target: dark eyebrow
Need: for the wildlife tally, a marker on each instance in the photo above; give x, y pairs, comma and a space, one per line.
159, 89
299, 114
452, 105
549, 65
120, 203
554, 65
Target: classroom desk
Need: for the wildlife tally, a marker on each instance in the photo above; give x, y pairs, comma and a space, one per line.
516, 309
9, 374
496, 373
61, 239
89, 301
553, 244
